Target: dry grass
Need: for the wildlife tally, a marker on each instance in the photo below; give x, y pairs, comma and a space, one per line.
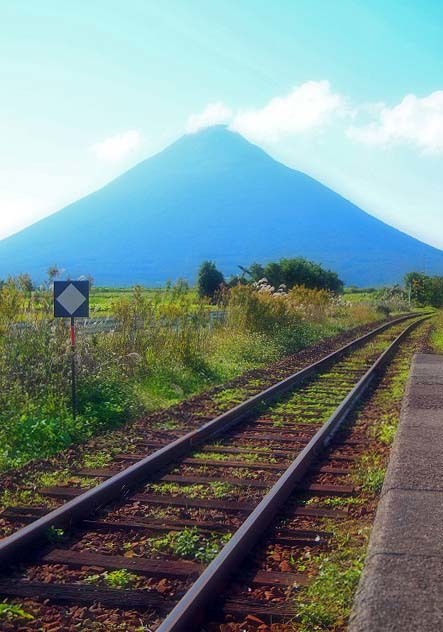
164, 349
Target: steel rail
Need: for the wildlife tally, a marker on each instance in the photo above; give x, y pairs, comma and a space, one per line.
190, 611
25, 539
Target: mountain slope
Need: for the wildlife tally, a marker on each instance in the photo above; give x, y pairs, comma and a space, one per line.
212, 195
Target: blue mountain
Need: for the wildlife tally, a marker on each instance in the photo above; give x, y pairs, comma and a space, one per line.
212, 195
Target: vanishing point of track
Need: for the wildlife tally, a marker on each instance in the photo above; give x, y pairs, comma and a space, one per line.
221, 485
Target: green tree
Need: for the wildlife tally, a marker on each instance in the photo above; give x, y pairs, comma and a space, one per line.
209, 279
24, 283
299, 271
424, 290
256, 271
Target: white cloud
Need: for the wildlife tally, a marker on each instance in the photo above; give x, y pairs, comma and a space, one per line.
117, 147
309, 106
416, 121
17, 211
213, 114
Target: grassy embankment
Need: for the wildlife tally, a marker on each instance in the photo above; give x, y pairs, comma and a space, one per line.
163, 351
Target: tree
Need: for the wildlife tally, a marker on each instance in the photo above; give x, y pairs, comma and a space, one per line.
424, 290
236, 279
209, 279
53, 273
24, 283
296, 271
256, 271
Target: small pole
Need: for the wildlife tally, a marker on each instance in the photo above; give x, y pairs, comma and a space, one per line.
74, 389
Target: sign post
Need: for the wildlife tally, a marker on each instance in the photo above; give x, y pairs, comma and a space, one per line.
71, 300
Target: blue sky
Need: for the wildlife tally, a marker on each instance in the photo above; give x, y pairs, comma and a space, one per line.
350, 92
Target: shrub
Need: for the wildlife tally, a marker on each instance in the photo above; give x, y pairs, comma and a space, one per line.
297, 271
164, 347
209, 279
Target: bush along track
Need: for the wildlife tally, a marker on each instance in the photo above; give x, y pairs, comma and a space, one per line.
318, 545
155, 543
159, 348
19, 487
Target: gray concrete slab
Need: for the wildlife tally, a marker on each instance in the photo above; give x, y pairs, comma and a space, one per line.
409, 522
422, 417
402, 584
417, 457
400, 594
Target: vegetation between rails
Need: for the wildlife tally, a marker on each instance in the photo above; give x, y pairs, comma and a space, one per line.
190, 544
10, 612
325, 604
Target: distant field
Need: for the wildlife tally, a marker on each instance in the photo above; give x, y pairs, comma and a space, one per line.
102, 298
359, 295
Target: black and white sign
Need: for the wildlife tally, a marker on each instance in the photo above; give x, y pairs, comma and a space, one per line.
71, 299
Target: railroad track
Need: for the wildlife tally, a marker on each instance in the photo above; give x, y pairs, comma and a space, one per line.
152, 523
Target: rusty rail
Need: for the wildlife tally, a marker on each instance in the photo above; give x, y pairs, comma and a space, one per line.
190, 611
22, 542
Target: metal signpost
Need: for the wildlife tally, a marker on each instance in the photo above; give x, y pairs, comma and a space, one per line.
71, 300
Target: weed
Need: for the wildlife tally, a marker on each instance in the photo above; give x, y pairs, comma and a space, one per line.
247, 457
229, 396
97, 459
169, 424
339, 501
163, 350
54, 534
217, 489
17, 497
327, 600
120, 579
385, 433
12, 611
62, 478
188, 543
369, 473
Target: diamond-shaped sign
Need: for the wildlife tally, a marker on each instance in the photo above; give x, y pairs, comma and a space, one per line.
71, 299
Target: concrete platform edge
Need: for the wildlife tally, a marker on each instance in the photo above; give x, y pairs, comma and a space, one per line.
401, 588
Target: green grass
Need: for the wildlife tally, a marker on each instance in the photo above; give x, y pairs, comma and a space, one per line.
20, 496
247, 457
97, 459
386, 429
326, 602
10, 612
54, 535
371, 476
190, 544
102, 299
218, 489
358, 297
328, 599
137, 369
118, 579
437, 334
